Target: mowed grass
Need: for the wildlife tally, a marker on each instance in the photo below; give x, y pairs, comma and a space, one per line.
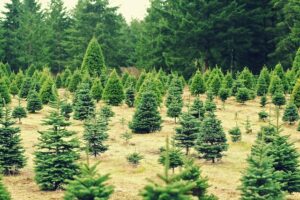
223, 176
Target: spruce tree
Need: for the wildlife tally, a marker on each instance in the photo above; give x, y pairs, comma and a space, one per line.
57, 152
224, 93
186, 133
260, 181
236, 134
275, 85
19, 112
75, 80
83, 104
175, 157
106, 112
13, 89
4, 195
197, 109
12, 157
4, 92
263, 101
263, 115
97, 90
93, 60
175, 105
25, 87
278, 98
198, 85
88, 185
58, 81
130, 96
95, 134
215, 84
242, 95
262, 83
34, 103
146, 118
113, 93
211, 141
290, 114
296, 94
66, 109
48, 91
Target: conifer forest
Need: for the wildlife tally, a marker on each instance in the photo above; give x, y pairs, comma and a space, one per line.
199, 99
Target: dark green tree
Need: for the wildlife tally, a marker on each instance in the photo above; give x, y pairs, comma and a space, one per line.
13, 89
263, 101
278, 98
175, 157
243, 95
130, 96
290, 114
19, 112
75, 80
113, 92
66, 109
224, 93
34, 103
296, 94
197, 109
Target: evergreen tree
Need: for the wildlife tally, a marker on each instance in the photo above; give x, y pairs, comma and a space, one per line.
97, 90
134, 158
235, 134
278, 98
19, 112
263, 115
93, 60
66, 109
198, 85
57, 152
95, 134
48, 91
146, 118
275, 85
175, 105
4, 195
197, 109
12, 157
25, 88
260, 181
224, 93
247, 77
262, 85
242, 95
74, 81
113, 92
58, 81
130, 96
106, 112
175, 157
83, 104
34, 103
211, 141
296, 94
290, 114
263, 101
248, 127
13, 89
88, 185
215, 84
4, 92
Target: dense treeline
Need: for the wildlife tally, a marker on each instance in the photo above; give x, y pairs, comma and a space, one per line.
175, 35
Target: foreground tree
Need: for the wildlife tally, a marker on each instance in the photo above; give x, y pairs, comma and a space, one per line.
211, 141
146, 118
56, 154
88, 185
113, 93
4, 195
12, 157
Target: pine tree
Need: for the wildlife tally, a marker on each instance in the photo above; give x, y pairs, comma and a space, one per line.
198, 85
19, 112
130, 96
186, 134
290, 114
106, 112
4, 195
146, 118
57, 152
97, 90
34, 103
197, 109
278, 98
211, 141
88, 185
83, 104
95, 134
25, 88
260, 181
263, 101
12, 157
296, 94
19, 78
242, 95
4, 92
48, 91
13, 89
113, 92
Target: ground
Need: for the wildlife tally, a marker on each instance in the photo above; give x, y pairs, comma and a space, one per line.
128, 180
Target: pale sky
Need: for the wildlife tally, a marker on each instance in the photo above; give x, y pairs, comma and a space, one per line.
129, 8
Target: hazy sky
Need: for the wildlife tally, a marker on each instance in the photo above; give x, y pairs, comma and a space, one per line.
129, 8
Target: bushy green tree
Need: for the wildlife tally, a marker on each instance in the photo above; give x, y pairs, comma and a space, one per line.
25, 87
83, 104
275, 84
56, 153
215, 84
247, 78
243, 95
13, 89
263, 82
58, 81
66, 109
106, 112
197, 109
263, 115
12, 157
211, 141
175, 157
97, 89
48, 91
290, 113
134, 158
19, 112
4, 92
235, 134
174, 103
74, 81
146, 118
278, 98
224, 93
130, 96
263, 101
197, 86
296, 94
113, 92
88, 185
34, 103
4, 195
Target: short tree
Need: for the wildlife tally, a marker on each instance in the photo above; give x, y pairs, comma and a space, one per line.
4, 92
89, 185
290, 113
134, 158
248, 127
97, 90
175, 157
197, 109
215, 84
48, 91
130, 97
4, 195
262, 85
278, 99
34, 102
276, 84
198, 85
83, 104
186, 133
12, 157
13, 89
263, 115
235, 134
57, 152
74, 81
296, 94
263, 101
211, 141
113, 93
66, 109
175, 104
19, 112
242, 95
224, 93
146, 118
106, 112
126, 136
25, 88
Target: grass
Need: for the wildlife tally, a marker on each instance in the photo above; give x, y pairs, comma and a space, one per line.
128, 181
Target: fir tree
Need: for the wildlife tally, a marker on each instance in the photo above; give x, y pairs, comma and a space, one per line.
4, 92
186, 134
19, 112
198, 85
89, 185
236, 134
93, 60
66, 109
12, 157
248, 127
242, 95
58, 81
97, 90
83, 104
130, 96
75, 80
57, 152
25, 87
34, 102
175, 157
224, 93
278, 98
296, 94
259, 181
211, 141
146, 118
263, 101
4, 195
290, 114
13, 89
48, 91
215, 84
106, 112
197, 109
262, 83
175, 105
263, 115
275, 85
134, 158
95, 134
113, 92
